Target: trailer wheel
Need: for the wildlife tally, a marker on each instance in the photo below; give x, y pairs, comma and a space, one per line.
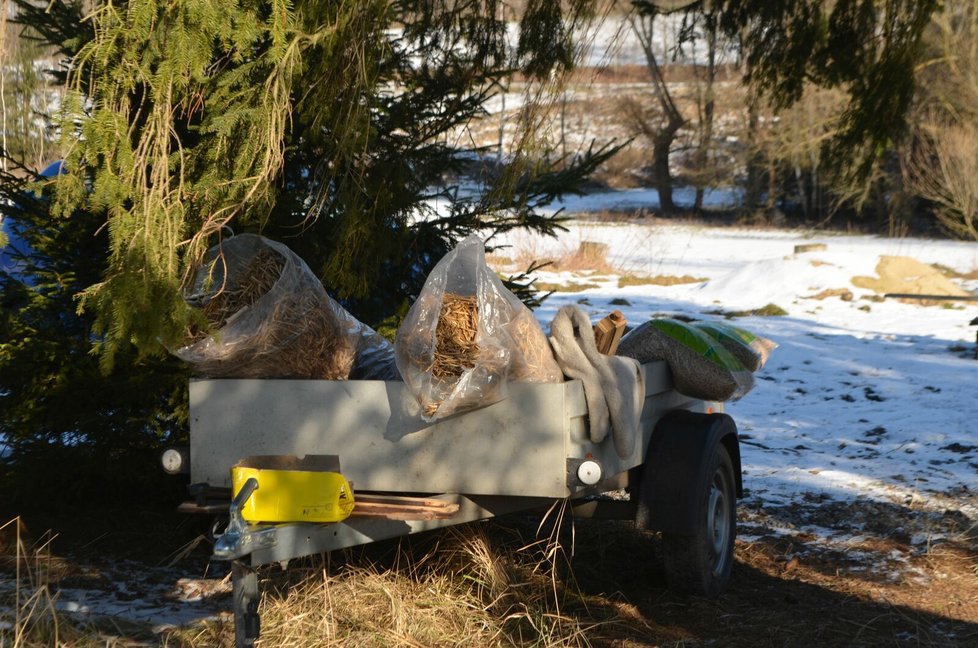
700, 563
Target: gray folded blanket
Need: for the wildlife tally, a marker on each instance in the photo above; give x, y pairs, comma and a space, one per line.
613, 385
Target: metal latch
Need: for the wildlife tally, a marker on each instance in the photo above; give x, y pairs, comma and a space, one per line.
239, 539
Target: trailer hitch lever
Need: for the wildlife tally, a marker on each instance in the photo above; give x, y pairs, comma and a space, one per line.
239, 539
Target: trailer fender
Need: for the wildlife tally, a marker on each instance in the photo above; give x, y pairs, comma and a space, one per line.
674, 473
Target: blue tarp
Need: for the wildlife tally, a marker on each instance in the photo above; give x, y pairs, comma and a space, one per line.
14, 257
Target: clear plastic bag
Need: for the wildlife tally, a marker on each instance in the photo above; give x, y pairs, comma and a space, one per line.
269, 316
466, 336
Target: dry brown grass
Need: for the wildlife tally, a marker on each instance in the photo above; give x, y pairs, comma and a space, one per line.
28, 616
569, 287
483, 584
658, 280
585, 257
467, 589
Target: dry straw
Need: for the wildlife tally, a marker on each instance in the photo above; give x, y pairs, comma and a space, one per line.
463, 586
292, 331
535, 361
455, 336
258, 277
456, 349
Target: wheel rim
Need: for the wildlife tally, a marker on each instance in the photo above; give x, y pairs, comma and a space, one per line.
719, 523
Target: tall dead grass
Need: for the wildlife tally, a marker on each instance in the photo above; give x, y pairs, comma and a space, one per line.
472, 585
28, 615
478, 584
466, 590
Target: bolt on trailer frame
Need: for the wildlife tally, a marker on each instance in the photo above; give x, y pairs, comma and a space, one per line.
518, 454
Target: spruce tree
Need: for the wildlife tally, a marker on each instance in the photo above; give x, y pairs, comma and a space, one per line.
71, 433
322, 122
323, 125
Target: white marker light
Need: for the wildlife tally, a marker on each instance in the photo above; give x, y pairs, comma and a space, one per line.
172, 460
589, 472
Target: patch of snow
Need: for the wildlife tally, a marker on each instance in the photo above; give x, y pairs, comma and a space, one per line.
864, 400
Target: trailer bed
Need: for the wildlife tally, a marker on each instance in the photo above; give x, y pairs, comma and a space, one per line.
527, 445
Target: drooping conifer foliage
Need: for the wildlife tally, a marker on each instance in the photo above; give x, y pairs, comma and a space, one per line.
331, 125
66, 426
868, 48
325, 122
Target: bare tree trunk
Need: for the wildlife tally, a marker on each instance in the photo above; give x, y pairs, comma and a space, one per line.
4, 46
673, 120
709, 103
752, 194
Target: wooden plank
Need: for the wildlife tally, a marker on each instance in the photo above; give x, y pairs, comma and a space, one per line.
608, 332
394, 511
811, 247
933, 297
211, 508
402, 500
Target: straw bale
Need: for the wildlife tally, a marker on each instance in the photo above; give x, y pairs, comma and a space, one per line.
262, 323
456, 348
534, 360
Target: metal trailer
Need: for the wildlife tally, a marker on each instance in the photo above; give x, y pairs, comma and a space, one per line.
519, 454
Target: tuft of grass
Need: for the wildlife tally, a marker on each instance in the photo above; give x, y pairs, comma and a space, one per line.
587, 256
768, 310
569, 287
658, 280
470, 588
28, 617
842, 293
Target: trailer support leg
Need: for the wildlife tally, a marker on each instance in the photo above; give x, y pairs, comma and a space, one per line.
244, 586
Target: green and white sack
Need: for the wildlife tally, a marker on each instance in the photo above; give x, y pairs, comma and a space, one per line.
701, 367
752, 350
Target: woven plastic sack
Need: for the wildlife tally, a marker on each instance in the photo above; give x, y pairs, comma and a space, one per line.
270, 317
467, 336
701, 367
751, 350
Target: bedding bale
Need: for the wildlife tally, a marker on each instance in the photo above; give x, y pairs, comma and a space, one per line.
534, 358
751, 350
701, 367
467, 336
264, 314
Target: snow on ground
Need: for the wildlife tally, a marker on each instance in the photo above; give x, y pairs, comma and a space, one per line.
151, 597
865, 401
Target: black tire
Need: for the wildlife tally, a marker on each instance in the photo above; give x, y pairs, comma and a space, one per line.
700, 563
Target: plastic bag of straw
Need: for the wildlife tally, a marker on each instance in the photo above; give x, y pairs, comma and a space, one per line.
700, 366
266, 315
466, 336
752, 350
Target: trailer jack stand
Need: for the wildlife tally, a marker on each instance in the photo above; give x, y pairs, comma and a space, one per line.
244, 585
